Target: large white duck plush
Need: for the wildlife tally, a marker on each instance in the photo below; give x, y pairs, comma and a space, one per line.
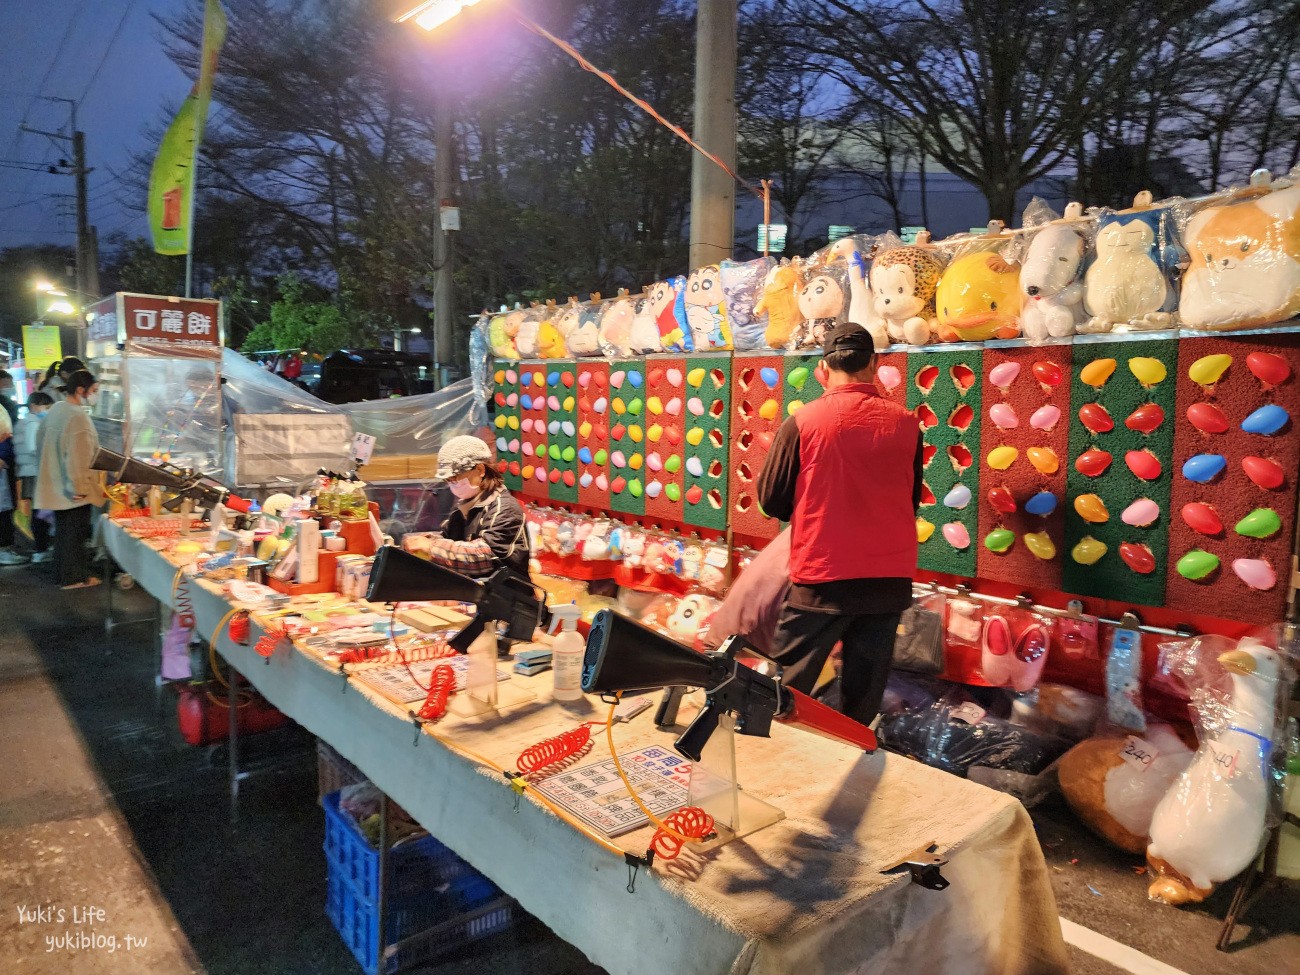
1209, 825
1051, 284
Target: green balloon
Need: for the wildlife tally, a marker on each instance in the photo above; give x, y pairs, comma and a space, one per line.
798, 377
673, 464
634, 407
634, 486
674, 492
601, 458
999, 540
1260, 523
1197, 564
554, 451
569, 454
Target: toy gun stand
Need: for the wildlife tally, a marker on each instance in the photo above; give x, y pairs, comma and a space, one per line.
483, 693
715, 790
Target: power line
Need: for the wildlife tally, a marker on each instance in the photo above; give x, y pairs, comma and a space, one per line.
40, 88
111, 41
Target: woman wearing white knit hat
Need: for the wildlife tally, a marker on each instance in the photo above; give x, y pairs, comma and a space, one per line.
485, 531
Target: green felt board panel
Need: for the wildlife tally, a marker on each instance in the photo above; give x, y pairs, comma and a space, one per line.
706, 514
937, 554
626, 501
566, 388
1118, 487
503, 412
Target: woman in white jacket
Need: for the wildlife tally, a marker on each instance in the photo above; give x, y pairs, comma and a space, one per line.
65, 483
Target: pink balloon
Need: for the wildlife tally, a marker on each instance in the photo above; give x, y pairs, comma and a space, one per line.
584, 379
1004, 374
528, 449
1141, 513
512, 376
513, 446
1003, 415
527, 424
1045, 417
674, 405
956, 534
602, 482
888, 377
540, 474
1256, 573
512, 399
553, 402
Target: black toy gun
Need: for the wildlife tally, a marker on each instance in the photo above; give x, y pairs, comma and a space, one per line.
185, 482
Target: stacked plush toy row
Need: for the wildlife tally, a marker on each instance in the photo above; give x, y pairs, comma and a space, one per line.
1229, 263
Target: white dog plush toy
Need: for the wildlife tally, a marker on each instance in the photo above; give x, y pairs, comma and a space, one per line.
1051, 283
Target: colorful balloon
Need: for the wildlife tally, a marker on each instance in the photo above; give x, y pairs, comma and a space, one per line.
616, 379
888, 377
1004, 374
1207, 418
1001, 499
653, 489
1045, 417
924, 529
1088, 551
674, 377
1202, 518
1097, 372
1269, 368
696, 377
694, 437
999, 540
1003, 416
1041, 504
694, 467
1204, 468
1092, 509
769, 409
673, 464
695, 405
1256, 573
1267, 421
1140, 513
1209, 369
1266, 473
1044, 459
1146, 418
956, 534
1096, 418
798, 377
1149, 372
1197, 564
1092, 462
1040, 543
1047, 373
601, 458
1143, 464
1000, 458
1260, 523
958, 497
634, 378
962, 417
673, 492
586, 480
1137, 557
769, 376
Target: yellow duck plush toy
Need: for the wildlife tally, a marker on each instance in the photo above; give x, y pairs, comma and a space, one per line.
979, 298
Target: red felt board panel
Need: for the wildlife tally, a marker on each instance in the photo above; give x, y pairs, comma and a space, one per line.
1233, 495
593, 431
665, 381
756, 380
532, 435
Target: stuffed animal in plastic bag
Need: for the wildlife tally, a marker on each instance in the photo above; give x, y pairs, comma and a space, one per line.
1014, 648
978, 298
674, 332
1128, 284
529, 322
551, 342
822, 302
644, 336
904, 281
501, 338
1051, 283
1245, 263
742, 285
705, 312
691, 617
780, 303
584, 340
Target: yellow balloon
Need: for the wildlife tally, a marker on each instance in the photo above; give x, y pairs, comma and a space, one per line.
924, 530
539, 379
794, 407
568, 403
1149, 372
513, 422
693, 437
654, 433
1040, 543
696, 376
618, 406
1044, 460
1088, 551
634, 433
1097, 372
768, 410
1000, 458
501, 422
634, 462
1091, 508
1209, 369
655, 405
584, 430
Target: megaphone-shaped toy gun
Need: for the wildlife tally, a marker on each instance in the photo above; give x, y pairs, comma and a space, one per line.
502, 597
624, 656
185, 482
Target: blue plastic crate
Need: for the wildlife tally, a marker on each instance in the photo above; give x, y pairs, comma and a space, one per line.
431, 893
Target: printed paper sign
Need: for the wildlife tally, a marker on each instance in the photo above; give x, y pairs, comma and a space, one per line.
970, 712
363, 444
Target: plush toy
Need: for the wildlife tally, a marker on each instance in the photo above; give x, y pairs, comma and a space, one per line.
742, 286
1014, 648
529, 323
705, 311
584, 340
566, 319
822, 304
979, 298
1245, 263
779, 302
690, 617
1127, 285
1209, 826
1113, 783
862, 305
501, 340
551, 342
615, 330
644, 337
1051, 283
903, 284
673, 332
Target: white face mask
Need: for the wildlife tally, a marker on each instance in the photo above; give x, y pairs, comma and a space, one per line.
464, 490
92, 399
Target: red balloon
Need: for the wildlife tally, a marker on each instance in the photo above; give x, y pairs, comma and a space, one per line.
1092, 463
1203, 518
1207, 418
1002, 500
502, 466
569, 479
1096, 418
1143, 464
694, 495
515, 468
617, 485
618, 431
927, 496
655, 378
1138, 558
1047, 373
1146, 418
1269, 368
1267, 474
567, 379
555, 476
925, 414
500, 399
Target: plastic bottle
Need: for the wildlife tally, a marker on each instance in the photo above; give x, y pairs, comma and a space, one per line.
567, 652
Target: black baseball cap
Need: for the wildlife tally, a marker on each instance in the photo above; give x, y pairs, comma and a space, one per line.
848, 338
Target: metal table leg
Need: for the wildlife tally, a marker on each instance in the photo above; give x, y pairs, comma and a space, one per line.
232, 704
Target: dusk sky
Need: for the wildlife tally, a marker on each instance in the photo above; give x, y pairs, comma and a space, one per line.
53, 49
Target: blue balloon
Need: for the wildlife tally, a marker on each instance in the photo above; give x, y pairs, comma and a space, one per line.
1267, 420
769, 376
526, 401
1042, 504
553, 427
958, 497
634, 378
525, 379
502, 444
552, 378
584, 455
1204, 468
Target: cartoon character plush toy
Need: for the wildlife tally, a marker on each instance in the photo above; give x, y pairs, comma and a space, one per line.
979, 298
567, 319
529, 322
584, 340
1245, 263
1051, 285
674, 334
501, 340
742, 285
822, 304
780, 303
690, 617
705, 312
903, 283
616, 326
1127, 285
644, 337
550, 341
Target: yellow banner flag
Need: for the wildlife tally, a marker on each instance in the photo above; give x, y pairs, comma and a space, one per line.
171, 181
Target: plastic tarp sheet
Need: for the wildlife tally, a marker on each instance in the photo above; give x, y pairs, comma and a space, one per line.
417, 426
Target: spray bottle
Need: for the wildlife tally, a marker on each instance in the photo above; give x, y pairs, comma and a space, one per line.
567, 652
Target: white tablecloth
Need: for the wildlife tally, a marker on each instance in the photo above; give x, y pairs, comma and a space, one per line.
803, 897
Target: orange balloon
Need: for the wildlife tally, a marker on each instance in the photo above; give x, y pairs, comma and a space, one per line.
1044, 460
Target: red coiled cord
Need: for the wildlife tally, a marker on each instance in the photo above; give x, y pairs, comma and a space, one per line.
689, 821
553, 754
184, 602
265, 647
442, 684
239, 628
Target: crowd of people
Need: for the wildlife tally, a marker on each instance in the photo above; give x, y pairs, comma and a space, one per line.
47, 487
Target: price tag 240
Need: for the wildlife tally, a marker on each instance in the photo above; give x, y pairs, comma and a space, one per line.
1138, 752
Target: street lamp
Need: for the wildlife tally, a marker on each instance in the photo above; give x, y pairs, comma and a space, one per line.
435, 13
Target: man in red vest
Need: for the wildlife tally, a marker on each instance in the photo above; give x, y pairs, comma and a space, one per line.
845, 471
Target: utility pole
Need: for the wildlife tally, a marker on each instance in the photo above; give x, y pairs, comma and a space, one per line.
713, 192
444, 291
